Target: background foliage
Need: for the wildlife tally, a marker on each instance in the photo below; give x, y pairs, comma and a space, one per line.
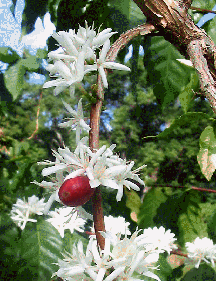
156, 115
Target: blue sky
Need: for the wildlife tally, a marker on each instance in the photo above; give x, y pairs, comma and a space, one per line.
10, 28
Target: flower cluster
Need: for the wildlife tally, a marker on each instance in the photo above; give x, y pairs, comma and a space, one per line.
62, 218
201, 249
101, 167
66, 218
23, 211
77, 121
76, 56
120, 259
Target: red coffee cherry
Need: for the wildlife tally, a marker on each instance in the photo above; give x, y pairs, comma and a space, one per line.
76, 191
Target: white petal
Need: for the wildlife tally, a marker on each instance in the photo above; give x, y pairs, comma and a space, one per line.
74, 174
69, 108
59, 89
49, 203
63, 70
115, 65
53, 169
115, 273
103, 76
110, 183
84, 125
102, 37
57, 82
104, 50
129, 184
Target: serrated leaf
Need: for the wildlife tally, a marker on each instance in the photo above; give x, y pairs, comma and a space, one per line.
165, 73
8, 55
207, 154
41, 248
13, 78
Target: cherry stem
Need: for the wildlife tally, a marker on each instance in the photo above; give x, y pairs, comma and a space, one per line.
94, 144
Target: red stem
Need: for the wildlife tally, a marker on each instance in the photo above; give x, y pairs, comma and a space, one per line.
192, 187
94, 144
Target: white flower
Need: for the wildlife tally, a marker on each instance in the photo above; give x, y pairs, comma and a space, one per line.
77, 121
127, 254
116, 225
22, 210
71, 60
201, 249
120, 260
76, 264
68, 72
66, 218
101, 169
157, 239
111, 65
54, 185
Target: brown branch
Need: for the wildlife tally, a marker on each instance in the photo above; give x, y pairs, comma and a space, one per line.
38, 111
179, 253
175, 24
202, 10
126, 37
207, 83
94, 144
181, 186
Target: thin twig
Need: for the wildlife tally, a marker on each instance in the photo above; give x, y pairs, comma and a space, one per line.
126, 37
181, 186
38, 111
94, 144
202, 10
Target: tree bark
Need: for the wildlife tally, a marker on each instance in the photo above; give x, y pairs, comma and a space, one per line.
171, 19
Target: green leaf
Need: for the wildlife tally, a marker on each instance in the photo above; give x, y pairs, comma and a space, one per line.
186, 96
165, 268
12, 7
130, 11
41, 54
181, 122
13, 78
207, 154
31, 63
204, 272
165, 73
9, 247
148, 209
133, 201
211, 227
41, 247
8, 55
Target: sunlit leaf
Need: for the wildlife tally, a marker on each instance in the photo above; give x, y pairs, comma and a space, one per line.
165, 73
14, 80
41, 248
207, 154
8, 55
